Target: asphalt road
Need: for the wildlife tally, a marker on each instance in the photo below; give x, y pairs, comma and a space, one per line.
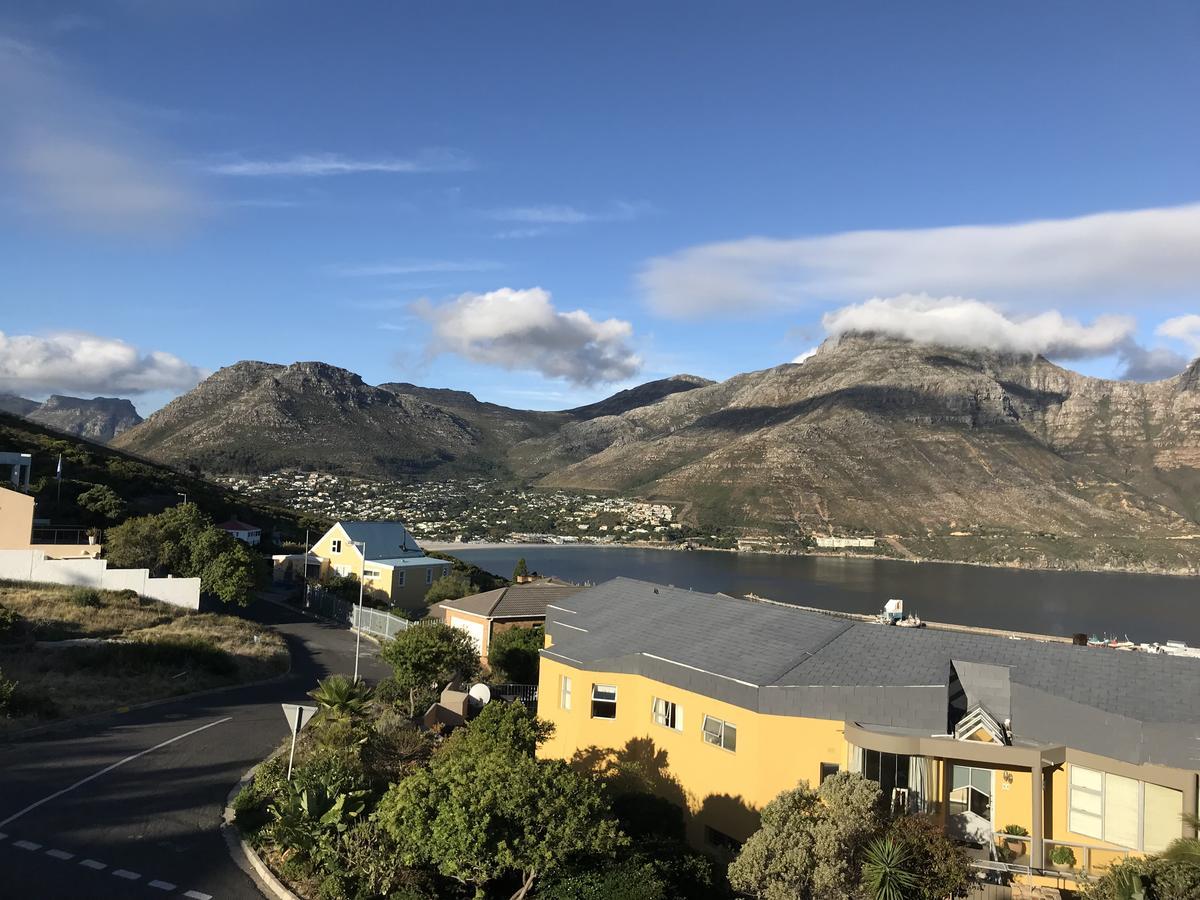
130, 806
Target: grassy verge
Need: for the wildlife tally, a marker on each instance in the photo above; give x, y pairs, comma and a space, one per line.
68, 651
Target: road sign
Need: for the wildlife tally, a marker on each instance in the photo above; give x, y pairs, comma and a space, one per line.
297, 717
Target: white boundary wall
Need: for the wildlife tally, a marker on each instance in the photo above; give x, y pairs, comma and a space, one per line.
32, 565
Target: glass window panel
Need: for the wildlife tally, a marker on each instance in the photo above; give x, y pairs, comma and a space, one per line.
1121, 810
871, 765
961, 777
712, 730
730, 737
981, 780
1163, 817
1086, 801
1087, 778
604, 692
1084, 823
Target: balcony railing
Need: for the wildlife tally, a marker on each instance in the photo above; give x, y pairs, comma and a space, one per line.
1080, 862
74, 536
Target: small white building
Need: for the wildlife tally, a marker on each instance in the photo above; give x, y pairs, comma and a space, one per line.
243, 531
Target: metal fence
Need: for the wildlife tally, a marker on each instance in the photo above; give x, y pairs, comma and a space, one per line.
377, 622
526, 693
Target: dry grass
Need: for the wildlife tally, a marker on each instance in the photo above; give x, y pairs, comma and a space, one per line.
151, 650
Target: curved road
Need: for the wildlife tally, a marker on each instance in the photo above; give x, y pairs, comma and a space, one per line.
130, 805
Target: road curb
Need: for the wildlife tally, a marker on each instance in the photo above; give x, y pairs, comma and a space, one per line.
246, 857
16, 736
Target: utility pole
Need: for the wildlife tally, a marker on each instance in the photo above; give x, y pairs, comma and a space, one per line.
362, 577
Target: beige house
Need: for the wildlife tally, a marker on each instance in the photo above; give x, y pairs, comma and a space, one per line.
17, 513
485, 615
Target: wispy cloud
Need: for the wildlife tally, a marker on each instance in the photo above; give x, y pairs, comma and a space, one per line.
1117, 256
543, 218
327, 164
78, 362
71, 153
414, 267
1182, 328
523, 330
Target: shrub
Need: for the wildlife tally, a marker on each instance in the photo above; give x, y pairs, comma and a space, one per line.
86, 597
1062, 856
448, 587
1156, 877
7, 689
513, 654
9, 623
943, 867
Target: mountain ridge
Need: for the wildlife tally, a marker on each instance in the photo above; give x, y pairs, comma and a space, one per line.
98, 419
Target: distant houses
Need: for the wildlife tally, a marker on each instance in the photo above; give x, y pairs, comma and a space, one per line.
243, 531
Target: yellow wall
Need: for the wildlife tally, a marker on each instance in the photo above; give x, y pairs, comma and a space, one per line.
16, 520
722, 789
385, 586
1012, 802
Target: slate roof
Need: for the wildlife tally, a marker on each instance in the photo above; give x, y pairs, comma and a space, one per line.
400, 562
384, 540
1133, 706
518, 601
237, 525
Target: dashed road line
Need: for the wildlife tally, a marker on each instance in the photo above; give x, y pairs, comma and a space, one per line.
27, 845
162, 885
93, 864
126, 874
3, 836
60, 854
197, 895
81, 782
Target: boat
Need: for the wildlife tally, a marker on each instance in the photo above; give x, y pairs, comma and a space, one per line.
894, 614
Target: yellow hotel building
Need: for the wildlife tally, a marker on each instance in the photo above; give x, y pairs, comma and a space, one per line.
728, 702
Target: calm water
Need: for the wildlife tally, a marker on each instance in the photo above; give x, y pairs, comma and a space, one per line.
1146, 607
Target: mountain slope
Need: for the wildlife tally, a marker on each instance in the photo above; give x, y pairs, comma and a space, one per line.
99, 419
883, 436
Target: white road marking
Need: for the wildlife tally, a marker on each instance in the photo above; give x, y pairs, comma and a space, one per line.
3, 836
107, 769
27, 845
93, 864
126, 874
162, 885
196, 895
60, 854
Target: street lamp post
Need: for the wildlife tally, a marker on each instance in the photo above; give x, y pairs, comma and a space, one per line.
362, 577
183, 495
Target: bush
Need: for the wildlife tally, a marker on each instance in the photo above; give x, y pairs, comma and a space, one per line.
1158, 878
10, 622
513, 654
1062, 856
86, 597
448, 587
7, 689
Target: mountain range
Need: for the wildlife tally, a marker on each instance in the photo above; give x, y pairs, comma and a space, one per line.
99, 419
943, 453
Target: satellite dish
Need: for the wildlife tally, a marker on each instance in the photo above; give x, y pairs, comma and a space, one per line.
480, 693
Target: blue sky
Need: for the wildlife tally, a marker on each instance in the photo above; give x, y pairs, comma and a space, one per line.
429, 192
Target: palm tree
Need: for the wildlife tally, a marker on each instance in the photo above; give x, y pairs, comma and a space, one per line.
1186, 850
886, 872
340, 698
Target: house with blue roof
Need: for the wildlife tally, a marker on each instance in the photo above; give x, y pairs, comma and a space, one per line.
385, 556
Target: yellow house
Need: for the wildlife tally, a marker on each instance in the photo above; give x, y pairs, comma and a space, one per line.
394, 568
727, 702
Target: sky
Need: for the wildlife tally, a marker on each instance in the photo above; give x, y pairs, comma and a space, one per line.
543, 203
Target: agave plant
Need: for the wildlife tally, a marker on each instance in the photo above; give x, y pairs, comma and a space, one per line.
1129, 886
342, 699
302, 815
886, 871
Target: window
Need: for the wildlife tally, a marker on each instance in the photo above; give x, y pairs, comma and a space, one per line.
335, 546
342, 570
971, 791
429, 576
667, 714
720, 733
828, 769
445, 571
370, 573
564, 691
604, 701
400, 578
1122, 810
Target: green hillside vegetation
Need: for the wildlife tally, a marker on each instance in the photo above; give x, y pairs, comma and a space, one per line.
102, 486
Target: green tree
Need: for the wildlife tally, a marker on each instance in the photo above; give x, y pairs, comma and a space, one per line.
448, 587
521, 570
102, 502
810, 842
480, 815
942, 866
506, 726
182, 541
513, 654
428, 656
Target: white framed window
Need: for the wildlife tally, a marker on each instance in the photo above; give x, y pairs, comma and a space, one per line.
667, 714
335, 546
1123, 811
429, 576
564, 692
604, 701
720, 733
370, 573
400, 578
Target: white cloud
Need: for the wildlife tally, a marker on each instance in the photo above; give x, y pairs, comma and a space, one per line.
1134, 256
521, 329
1182, 328
806, 355
970, 324
543, 219
414, 267
81, 363
80, 156
325, 164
